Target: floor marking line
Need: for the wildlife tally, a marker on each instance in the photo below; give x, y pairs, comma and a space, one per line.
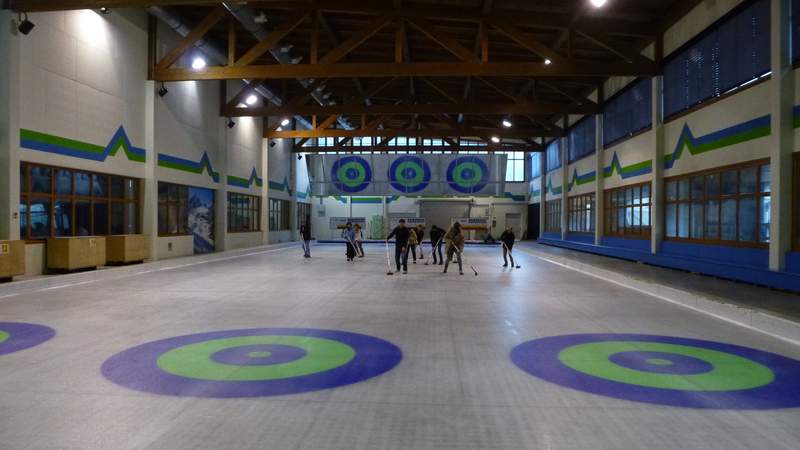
667, 299
144, 272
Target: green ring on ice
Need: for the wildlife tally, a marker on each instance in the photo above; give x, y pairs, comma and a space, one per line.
194, 360
730, 372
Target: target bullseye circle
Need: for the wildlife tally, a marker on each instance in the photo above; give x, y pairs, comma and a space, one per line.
664, 370
409, 174
16, 336
252, 362
351, 174
467, 174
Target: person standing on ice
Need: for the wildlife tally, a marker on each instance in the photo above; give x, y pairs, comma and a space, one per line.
455, 246
348, 236
401, 235
507, 238
359, 240
305, 234
437, 237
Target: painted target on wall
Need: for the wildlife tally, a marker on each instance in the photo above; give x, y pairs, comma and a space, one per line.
409, 174
16, 336
467, 174
351, 174
664, 370
252, 362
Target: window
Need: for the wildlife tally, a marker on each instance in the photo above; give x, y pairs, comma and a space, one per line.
627, 211
728, 205
552, 216
582, 139
729, 54
173, 209
244, 213
278, 215
795, 29
303, 214
553, 153
628, 112
515, 167
64, 202
581, 213
536, 165
796, 203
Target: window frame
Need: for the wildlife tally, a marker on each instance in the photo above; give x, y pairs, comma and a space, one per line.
303, 212
552, 216
576, 211
279, 217
757, 195
612, 212
241, 203
511, 159
183, 229
26, 196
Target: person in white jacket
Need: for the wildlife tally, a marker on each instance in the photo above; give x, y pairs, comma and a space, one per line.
359, 240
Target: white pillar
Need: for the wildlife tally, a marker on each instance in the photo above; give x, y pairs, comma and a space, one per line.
221, 197
564, 184
265, 191
542, 192
599, 183
150, 197
657, 155
782, 137
9, 126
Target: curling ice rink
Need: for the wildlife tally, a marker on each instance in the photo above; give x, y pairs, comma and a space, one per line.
342, 356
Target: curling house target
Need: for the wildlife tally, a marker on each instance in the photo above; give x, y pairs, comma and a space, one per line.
351, 174
664, 370
409, 174
16, 336
467, 174
252, 362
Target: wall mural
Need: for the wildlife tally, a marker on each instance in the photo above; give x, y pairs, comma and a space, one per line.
201, 219
185, 165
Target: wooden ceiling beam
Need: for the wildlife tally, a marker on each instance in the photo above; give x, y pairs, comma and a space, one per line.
406, 132
447, 42
380, 148
587, 107
272, 39
416, 69
355, 40
200, 30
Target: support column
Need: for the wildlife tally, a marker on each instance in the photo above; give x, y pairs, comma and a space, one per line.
221, 196
150, 188
293, 225
782, 137
564, 184
600, 180
265, 191
657, 156
543, 193
9, 128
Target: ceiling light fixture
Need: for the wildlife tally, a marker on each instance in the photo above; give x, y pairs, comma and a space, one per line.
105, 10
547, 62
598, 3
251, 99
162, 91
198, 63
507, 123
285, 122
495, 139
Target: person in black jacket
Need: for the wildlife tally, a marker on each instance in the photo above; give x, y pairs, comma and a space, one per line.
507, 238
400, 234
305, 234
420, 235
436, 243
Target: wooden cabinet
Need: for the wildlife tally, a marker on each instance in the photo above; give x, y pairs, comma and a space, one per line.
12, 259
73, 253
127, 248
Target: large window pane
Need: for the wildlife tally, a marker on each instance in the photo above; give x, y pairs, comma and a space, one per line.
83, 218
747, 219
712, 219
132, 218
683, 220
728, 220
40, 218
672, 224
100, 219
764, 219
23, 178
62, 215
765, 179
672, 190
100, 185
63, 182
41, 179
747, 180
697, 220
117, 187
730, 182
23, 220
83, 184
117, 218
